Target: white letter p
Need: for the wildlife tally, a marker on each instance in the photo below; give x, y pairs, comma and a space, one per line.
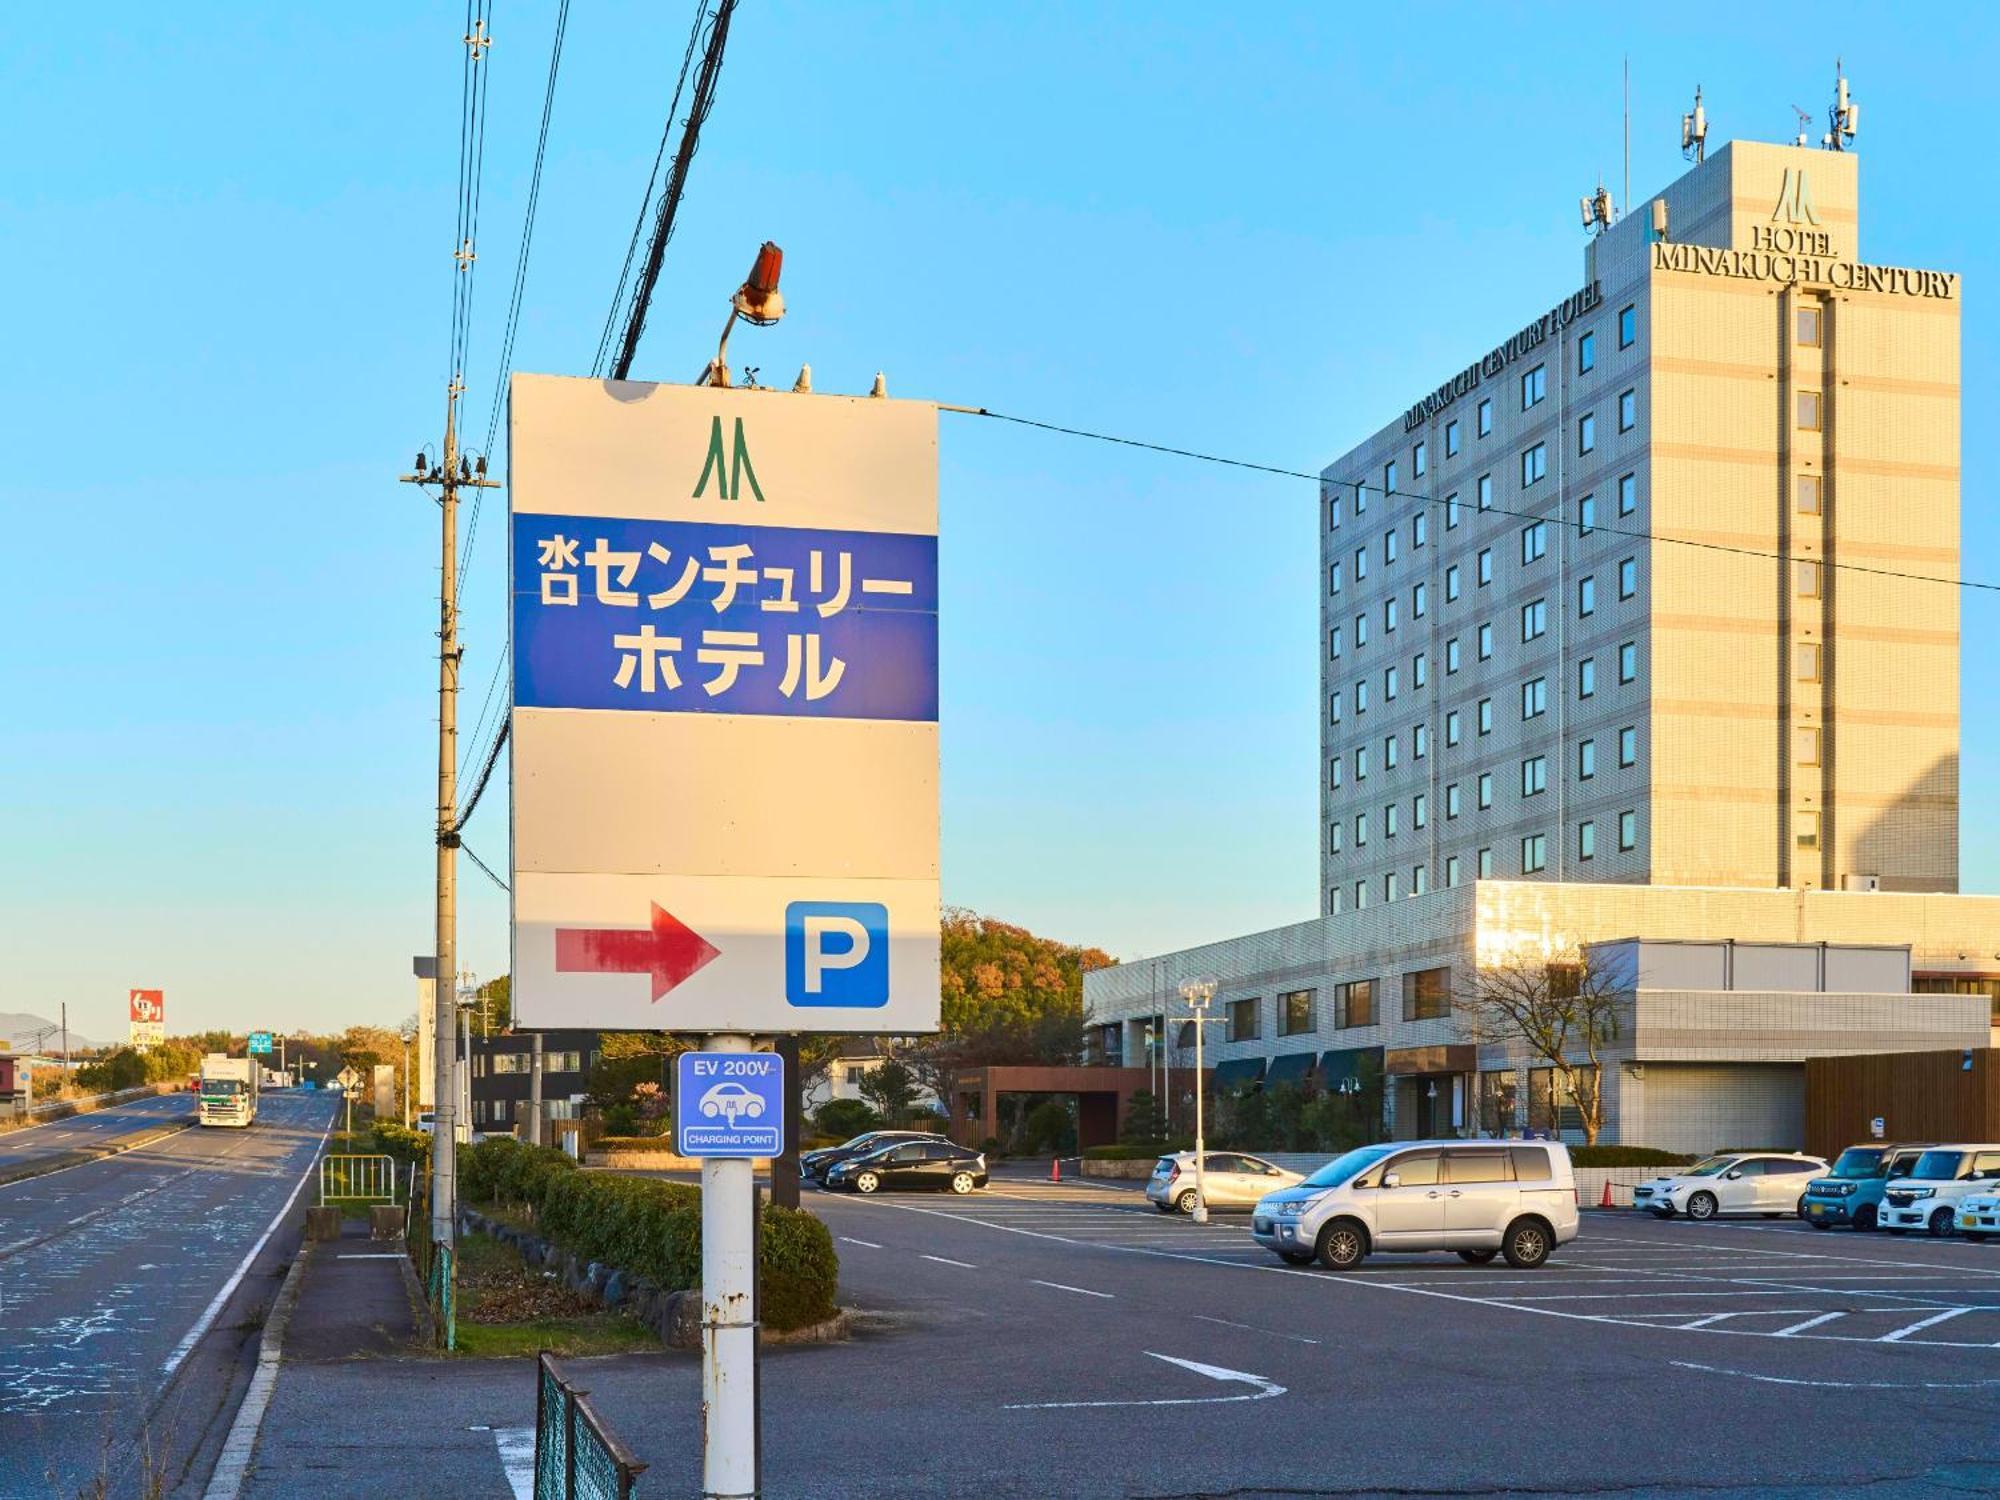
819, 960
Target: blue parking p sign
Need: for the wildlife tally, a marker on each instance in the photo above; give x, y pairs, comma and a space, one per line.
730, 1104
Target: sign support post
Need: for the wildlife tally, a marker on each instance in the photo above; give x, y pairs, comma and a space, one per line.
728, 1318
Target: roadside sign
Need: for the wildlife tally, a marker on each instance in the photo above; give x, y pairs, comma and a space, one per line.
725, 740
1878, 1127
730, 1104
148, 1010
260, 1043
347, 1078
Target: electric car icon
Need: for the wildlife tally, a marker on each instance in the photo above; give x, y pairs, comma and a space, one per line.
731, 1101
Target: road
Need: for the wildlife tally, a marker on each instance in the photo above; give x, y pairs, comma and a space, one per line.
1037, 1339
99, 1128
124, 1287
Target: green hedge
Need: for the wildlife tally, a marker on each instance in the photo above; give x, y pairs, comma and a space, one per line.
1135, 1153
1625, 1156
652, 1228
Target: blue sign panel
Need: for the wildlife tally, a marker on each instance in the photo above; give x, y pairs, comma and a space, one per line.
837, 953
730, 1104
260, 1042
693, 617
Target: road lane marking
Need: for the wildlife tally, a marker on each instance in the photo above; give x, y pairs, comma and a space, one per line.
370, 1255
517, 1459
1064, 1287
1785, 1333
946, 1260
1902, 1333
848, 1239
1266, 1388
1296, 1338
1839, 1385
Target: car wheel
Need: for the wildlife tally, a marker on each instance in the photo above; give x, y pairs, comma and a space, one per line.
1296, 1257
1342, 1246
1940, 1224
1702, 1206
866, 1182
961, 1183
1527, 1244
1864, 1216
1185, 1203
1477, 1257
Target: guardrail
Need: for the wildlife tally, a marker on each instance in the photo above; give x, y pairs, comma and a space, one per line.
576, 1458
358, 1179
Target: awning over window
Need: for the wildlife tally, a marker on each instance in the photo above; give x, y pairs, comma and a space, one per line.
1239, 1072
1292, 1068
1345, 1063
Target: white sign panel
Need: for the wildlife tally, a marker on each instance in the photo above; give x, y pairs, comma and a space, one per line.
725, 757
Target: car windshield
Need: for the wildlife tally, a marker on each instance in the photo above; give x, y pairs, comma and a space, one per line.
1710, 1168
222, 1086
1938, 1166
858, 1142
1860, 1162
1341, 1168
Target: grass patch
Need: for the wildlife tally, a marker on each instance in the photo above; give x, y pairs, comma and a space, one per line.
506, 1309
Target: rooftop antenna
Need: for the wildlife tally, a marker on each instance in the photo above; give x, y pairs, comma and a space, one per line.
1844, 118
1626, 190
1805, 126
1596, 209
1694, 131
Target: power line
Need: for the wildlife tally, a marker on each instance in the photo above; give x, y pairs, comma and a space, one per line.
485, 868
485, 775
1495, 510
471, 172
485, 703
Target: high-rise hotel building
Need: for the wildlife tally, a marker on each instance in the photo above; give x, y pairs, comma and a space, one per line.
1618, 600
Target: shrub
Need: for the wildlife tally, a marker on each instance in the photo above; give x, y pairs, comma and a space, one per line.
1136, 1153
846, 1118
621, 1119
1625, 1156
410, 1147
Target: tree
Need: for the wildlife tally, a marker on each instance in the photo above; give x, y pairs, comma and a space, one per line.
1144, 1124
1561, 1006
892, 1089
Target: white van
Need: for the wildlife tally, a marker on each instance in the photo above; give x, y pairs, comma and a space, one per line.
1479, 1198
1928, 1198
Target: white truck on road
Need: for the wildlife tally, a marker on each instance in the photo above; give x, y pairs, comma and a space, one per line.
229, 1089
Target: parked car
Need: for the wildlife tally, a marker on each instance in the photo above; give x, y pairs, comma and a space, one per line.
1512, 1199
816, 1164
932, 1163
1229, 1180
1736, 1182
1979, 1216
1852, 1192
1928, 1198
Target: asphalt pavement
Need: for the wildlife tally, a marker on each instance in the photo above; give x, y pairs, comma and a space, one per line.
37, 1144
130, 1288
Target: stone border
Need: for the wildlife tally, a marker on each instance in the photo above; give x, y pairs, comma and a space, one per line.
239, 1447
78, 1156
674, 1315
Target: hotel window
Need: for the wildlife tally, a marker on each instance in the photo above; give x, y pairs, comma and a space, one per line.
1534, 775
1333, 642
1809, 327
1388, 479
1483, 566
1420, 810
1483, 487
1451, 656
1420, 600
1628, 326
1451, 512
1586, 515
1360, 894
1482, 791
1244, 1021
1360, 631
1484, 716
1628, 830
1805, 746
1628, 662
1586, 596
1628, 746
1360, 762
1360, 498
1333, 512
1361, 830
1805, 830
1427, 995
1420, 528
1534, 541
1628, 410
1389, 539
1807, 488
1419, 881
1451, 587
1586, 432
1586, 759
1586, 839
1360, 563
1486, 416
1451, 728
1586, 353
1420, 460
1336, 898
1295, 1012
1534, 698
1809, 411
1390, 746
1420, 669
1361, 697
1534, 464
1333, 578
1628, 494
1628, 577
1451, 440
1391, 608
1534, 619
1389, 820
1806, 662
1354, 1004
1420, 741
1809, 580
1451, 801
1334, 830
1484, 638
1485, 864
1534, 386
1389, 685
1586, 677
1334, 768
1534, 853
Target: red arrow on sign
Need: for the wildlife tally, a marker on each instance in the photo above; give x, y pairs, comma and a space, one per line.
669, 950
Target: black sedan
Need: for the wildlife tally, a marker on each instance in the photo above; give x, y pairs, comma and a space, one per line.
816, 1164
935, 1164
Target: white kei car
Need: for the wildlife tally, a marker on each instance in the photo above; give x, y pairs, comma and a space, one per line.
1736, 1182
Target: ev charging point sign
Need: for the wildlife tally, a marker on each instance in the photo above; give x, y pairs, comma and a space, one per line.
730, 1104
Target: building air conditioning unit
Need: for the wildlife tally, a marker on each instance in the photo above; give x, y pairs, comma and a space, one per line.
1861, 882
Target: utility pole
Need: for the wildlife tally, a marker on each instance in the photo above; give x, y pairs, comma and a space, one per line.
65, 1031
454, 474
535, 1089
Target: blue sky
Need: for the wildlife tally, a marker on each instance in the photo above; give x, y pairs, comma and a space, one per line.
227, 241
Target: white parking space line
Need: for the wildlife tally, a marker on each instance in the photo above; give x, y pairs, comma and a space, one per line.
517, 1459
1902, 1333
848, 1239
1760, 1312
1295, 1338
1785, 1333
1265, 1390
1064, 1287
946, 1260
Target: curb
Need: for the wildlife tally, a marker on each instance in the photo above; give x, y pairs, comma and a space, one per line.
232, 1466
82, 1156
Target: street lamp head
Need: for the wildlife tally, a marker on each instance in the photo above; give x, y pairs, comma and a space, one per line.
758, 300
1198, 992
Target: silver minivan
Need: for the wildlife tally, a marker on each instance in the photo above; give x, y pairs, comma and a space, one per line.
1479, 1198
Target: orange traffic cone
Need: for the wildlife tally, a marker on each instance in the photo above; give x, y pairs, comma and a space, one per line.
1055, 1169
1605, 1201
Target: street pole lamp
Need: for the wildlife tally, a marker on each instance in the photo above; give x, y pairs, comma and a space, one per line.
408, 1037
1199, 993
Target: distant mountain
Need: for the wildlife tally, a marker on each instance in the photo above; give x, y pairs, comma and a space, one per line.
18, 1031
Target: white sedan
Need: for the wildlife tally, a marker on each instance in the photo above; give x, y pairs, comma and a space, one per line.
1736, 1182
1979, 1217
1230, 1179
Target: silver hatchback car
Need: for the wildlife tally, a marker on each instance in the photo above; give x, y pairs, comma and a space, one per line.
1229, 1180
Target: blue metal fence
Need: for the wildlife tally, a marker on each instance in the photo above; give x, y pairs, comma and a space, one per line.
575, 1457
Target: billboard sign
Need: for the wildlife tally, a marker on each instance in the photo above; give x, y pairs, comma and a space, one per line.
260, 1044
725, 752
730, 1104
148, 1010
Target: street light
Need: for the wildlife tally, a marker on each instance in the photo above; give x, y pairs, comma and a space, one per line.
1199, 993
408, 1037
